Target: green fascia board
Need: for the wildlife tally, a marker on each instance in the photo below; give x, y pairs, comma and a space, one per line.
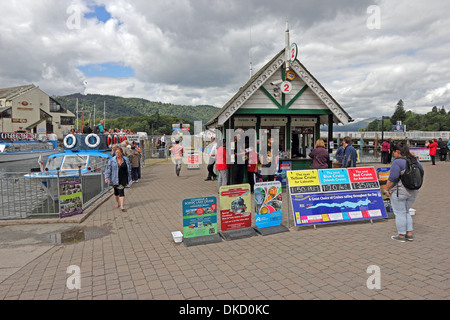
285, 112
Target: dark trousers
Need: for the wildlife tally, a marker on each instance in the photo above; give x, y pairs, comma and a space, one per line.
433, 160
134, 173
251, 177
211, 174
238, 173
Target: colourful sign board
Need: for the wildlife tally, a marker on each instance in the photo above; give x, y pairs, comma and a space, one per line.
199, 217
335, 195
193, 160
70, 197
423, 154
268, 204
235, 207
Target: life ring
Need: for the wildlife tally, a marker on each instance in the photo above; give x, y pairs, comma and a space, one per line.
67, 143
109, 140
120, 139
92, 145
115, 139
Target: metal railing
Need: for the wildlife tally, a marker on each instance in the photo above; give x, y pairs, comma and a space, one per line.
24, 197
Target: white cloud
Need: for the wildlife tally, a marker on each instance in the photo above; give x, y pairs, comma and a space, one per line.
197, 52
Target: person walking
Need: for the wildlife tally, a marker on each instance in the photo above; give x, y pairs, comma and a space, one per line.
135, 158
401, 197
212, 161
222, 165
177, 156
118, 175
319, 155
433, 150
350, 156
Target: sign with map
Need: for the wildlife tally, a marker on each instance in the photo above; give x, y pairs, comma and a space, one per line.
335, 195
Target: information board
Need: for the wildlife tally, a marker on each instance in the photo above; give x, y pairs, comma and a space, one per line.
335, 195
199, 217
268, 204
70, 197
235, 207
193, 161
423, 154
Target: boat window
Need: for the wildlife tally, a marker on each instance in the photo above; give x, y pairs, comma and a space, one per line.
54, 163
72, 162
97, 163
4, 148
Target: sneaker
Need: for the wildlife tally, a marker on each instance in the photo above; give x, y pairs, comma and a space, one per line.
398, 238
409, 238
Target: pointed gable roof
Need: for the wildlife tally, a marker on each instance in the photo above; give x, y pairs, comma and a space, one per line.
9, 93
257, 81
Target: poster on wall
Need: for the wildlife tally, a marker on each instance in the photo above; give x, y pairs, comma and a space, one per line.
235, 207
70, 197
335, 195
268, 204
199, 217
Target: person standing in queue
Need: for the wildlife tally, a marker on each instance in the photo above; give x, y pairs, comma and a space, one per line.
319, 155
118, 174
350, 156
222, 165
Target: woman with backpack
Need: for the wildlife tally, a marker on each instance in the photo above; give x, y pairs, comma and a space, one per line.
402, 187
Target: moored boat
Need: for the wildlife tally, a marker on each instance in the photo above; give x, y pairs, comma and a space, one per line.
24, 146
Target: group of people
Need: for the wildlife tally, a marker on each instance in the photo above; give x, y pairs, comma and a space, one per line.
100, 129
123, 169
244, 160
443, 149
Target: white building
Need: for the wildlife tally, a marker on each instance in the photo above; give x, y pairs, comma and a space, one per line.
28, 109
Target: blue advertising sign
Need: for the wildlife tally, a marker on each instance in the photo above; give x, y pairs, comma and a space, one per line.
337, 207
268, 204
345, 194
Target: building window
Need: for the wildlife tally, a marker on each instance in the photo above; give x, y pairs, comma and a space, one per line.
7, 113
67, 121
56, 107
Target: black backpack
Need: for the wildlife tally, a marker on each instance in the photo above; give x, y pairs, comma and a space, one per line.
412, 178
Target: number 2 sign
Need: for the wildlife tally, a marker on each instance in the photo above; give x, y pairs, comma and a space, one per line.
286, 87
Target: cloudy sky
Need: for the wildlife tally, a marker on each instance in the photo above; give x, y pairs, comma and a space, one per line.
367, 53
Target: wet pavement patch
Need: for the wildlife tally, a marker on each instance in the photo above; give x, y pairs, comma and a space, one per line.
79, 234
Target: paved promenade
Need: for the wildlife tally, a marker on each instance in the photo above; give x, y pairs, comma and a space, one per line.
136, 257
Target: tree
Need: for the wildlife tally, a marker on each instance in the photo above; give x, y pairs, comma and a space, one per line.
400, 113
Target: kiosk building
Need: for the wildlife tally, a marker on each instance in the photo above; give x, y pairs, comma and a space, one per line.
265, 102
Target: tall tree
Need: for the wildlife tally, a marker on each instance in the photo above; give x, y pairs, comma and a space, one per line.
399, 113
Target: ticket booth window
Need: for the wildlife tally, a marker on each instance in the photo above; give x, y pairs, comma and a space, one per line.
281, 136
302, 141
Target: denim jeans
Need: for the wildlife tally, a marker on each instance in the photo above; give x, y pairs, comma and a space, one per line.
401, 205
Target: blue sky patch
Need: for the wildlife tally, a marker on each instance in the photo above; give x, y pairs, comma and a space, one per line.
99, 12
106, 70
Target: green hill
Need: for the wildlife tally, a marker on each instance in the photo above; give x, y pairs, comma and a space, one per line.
117, 107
